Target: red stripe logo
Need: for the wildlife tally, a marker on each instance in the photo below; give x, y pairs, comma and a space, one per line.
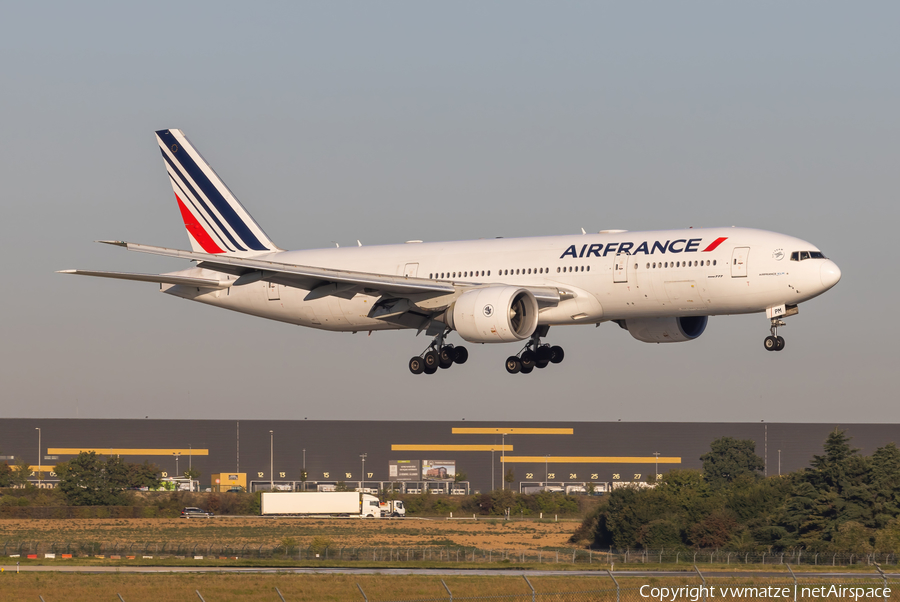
714, 244
196, 230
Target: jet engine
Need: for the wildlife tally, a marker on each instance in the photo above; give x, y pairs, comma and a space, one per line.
665, 330
494, 314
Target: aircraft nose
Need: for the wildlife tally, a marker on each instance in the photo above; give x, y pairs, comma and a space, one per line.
831, 274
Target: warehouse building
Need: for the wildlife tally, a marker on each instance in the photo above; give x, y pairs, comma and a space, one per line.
452, 457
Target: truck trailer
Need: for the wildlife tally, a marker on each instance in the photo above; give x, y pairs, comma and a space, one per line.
320, 503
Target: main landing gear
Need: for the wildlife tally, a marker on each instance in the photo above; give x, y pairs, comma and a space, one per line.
535, 355
437, 356
774, 342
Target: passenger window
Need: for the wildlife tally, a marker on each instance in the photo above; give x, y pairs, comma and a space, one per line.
589, 267
714, 262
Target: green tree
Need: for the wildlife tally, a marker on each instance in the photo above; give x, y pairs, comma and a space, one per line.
143, 475
460, 476
729, 458
21, 473
834, 469
192, 473
5, 475
510, 475
89, 480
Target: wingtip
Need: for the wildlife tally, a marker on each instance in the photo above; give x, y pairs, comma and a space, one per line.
118, 243
66, 271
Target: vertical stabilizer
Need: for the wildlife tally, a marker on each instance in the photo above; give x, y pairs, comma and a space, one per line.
215, 220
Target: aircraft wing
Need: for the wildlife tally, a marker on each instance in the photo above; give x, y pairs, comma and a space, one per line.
320, 282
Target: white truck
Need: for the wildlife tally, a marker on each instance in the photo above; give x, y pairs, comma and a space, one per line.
393, 508
320, 503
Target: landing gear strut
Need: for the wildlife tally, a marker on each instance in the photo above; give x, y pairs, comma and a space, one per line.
774, 342
534, 354
438, 355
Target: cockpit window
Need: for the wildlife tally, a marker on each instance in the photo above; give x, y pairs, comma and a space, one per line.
802, 255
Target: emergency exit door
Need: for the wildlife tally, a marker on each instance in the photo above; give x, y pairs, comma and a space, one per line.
739, 262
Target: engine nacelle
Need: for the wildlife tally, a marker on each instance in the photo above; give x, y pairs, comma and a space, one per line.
665, 330
494, 314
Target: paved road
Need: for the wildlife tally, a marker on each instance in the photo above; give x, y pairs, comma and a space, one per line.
63, 568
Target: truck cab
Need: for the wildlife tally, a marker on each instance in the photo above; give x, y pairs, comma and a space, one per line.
393, 508
369, 506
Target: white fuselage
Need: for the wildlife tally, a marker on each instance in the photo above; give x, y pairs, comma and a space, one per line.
707, 271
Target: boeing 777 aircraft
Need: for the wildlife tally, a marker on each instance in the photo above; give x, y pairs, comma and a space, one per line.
660, 286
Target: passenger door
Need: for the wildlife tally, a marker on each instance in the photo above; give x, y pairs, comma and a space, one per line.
620, 269
739, 262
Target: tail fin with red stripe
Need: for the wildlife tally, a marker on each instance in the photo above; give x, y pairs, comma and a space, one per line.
215, 220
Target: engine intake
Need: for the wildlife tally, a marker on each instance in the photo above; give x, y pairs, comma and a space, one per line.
494, 314
665, 330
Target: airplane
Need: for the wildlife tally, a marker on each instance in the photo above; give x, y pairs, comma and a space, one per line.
660, 286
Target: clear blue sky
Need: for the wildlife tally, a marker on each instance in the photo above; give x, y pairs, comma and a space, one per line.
393, 121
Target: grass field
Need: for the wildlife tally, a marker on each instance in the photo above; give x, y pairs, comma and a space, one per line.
377, 588
236, 532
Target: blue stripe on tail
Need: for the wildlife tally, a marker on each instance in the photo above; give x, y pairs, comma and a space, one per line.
189, 167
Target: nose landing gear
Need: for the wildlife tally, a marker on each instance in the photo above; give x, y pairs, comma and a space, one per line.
438, 355
535, 355
774, 342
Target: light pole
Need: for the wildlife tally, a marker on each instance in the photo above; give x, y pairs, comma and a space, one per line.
546, 471
271, 460
779, 462
492, 466
38, 429
656, 473
363, 476
176, 454
304, 470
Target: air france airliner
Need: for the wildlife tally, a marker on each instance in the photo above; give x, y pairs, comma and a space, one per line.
660, 286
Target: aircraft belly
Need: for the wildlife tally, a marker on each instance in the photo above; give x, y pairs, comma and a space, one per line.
327, 313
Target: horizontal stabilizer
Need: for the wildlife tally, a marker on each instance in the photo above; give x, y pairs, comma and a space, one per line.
158, 278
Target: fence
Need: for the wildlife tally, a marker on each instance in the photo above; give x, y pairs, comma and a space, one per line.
444, 554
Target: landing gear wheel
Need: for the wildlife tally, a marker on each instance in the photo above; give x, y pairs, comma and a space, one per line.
461, 354
416, 365
513, 365
771, 343
431, 370
780, 343
447, 354
558, 354
543, 354
444, 364
528, 360
432, 359
541, 364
